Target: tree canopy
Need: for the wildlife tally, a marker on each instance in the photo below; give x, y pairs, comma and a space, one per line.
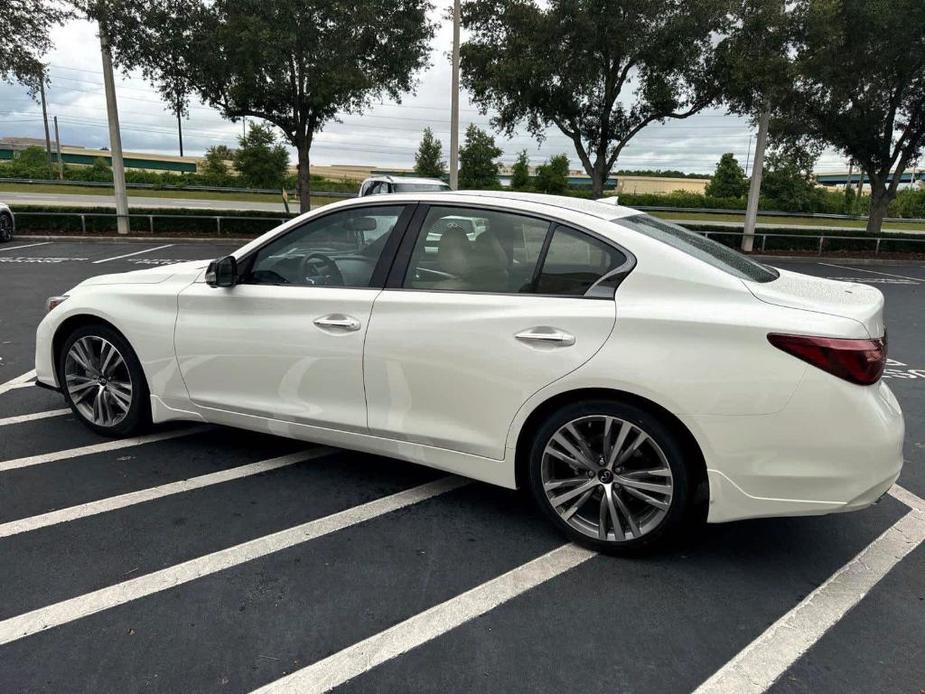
25, 27
857, 83
599, 72
728, 180
260, 159
477, 166
552, 177
520, 172
428, 161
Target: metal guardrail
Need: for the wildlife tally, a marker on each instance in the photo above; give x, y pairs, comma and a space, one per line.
770, 213
158, 186
761, 237
151, 217
820, 239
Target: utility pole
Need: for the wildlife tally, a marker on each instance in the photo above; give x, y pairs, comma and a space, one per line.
754, 190
58, 147
454, 103
115, 138
45, 117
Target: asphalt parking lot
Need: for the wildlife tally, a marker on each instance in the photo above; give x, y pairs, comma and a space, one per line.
207, 559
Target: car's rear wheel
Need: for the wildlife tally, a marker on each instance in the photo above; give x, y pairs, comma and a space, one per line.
6, 227
103, 382
611, 476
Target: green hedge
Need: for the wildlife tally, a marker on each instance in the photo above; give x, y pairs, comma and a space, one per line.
101, 221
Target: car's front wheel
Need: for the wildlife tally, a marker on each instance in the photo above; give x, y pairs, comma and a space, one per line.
611, 476
103, 382
6, 227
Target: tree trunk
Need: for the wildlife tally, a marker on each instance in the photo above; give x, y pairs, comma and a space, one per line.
598, 179
879, 201
304, 177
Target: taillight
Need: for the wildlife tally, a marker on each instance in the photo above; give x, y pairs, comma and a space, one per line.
857, 361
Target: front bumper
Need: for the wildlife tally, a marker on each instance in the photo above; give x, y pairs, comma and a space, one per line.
835, 447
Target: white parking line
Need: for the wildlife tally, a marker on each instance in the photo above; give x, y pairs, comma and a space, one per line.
28, 245
113, 503
129, 255
17, 382
769, 656
66, 611
874, 272
354, 660
115, 445
32, 417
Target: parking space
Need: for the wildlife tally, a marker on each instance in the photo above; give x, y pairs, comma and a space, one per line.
199, 558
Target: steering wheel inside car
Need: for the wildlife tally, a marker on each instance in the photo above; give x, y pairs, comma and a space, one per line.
318, 268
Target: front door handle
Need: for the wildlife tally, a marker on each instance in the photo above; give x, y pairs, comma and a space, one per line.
552, 337
337, 321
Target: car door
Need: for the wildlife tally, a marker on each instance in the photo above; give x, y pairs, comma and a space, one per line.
484, 309
286, 342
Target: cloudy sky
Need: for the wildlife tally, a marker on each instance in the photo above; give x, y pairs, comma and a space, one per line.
386, 135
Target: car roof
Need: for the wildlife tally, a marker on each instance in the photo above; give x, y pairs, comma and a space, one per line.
595, 208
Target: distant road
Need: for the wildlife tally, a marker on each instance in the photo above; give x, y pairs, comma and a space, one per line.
72, 200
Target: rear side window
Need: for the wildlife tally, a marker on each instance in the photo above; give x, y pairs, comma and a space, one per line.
700, 247
574, 262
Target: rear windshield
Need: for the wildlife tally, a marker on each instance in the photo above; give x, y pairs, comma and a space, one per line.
700, 247
418, 187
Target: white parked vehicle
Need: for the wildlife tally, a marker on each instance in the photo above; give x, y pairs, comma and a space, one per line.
385, 185
7, 223
634, 375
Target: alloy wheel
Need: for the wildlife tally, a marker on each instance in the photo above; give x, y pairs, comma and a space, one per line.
98, 381
6, 228
607, 478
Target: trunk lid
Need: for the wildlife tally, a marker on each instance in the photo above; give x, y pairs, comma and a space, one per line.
860, 302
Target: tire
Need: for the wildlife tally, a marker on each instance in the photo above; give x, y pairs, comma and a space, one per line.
6, 227
574, 494
103, 382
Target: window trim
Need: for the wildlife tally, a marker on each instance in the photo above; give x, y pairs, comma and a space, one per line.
604, 289
381, 269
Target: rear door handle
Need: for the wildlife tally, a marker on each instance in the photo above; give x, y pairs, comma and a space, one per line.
547, 336
337, 321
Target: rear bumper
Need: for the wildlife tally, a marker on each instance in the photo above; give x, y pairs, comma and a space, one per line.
835, 447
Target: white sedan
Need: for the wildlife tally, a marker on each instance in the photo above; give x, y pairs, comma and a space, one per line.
632, 374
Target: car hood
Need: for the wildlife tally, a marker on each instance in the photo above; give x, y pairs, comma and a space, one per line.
153, 275
860, 302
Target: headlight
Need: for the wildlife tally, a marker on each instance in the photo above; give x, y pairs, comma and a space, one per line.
54, 301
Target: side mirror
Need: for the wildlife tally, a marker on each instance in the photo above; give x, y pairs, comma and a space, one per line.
223, 272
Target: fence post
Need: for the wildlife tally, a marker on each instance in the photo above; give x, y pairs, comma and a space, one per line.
764, 239
151, 224
83, 225
218, 225
877, 246
821, 241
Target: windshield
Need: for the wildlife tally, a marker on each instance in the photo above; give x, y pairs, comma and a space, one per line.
700, 247
418, 187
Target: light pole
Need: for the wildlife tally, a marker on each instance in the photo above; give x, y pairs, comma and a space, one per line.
454, 103
115, 138
754, 189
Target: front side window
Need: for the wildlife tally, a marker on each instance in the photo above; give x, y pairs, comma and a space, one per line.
339, 249
476, 250
574, 262
700, 247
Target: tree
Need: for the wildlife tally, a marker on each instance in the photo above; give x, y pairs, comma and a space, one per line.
552, 177
477, 166
260, 159
599, 72
299, 63
788, 180
857, 84
428, 161
215, 161
728, 180
25, 27
520, 172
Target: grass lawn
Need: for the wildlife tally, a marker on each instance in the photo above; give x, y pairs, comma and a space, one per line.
802, 221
